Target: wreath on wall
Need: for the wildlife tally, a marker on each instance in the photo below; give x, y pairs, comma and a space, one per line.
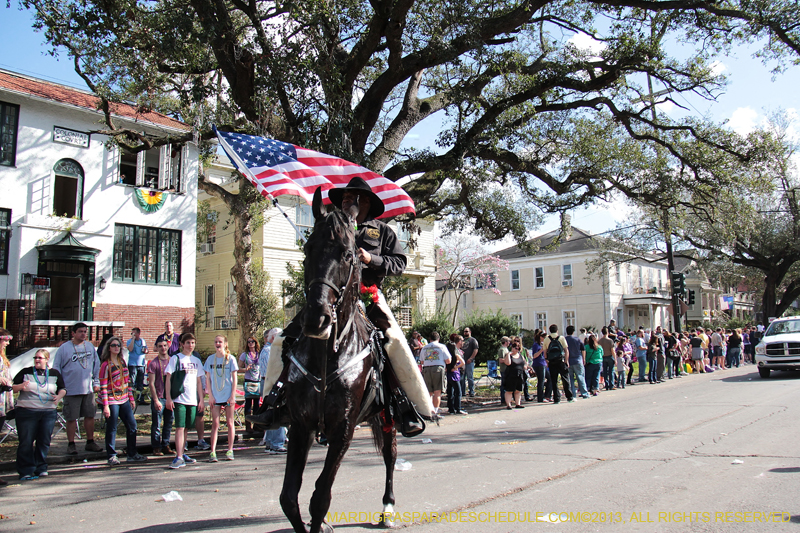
150, 201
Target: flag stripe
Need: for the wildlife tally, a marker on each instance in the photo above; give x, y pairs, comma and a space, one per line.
278, 168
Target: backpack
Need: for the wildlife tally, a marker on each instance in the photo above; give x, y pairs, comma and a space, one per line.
555, 352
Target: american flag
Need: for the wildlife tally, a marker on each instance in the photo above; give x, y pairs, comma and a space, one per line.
277, 168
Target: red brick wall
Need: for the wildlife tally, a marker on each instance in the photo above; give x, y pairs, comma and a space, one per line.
14, 318
149, 318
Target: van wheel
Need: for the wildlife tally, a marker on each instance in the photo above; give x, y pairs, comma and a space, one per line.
763, 372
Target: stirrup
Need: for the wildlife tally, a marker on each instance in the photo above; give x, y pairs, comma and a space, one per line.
266, 420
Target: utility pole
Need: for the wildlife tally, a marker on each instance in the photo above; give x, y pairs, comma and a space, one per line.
675, 298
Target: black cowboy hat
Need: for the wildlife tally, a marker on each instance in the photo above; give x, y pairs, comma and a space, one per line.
357, 185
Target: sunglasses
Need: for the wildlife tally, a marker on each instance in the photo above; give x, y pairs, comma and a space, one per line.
251, 342
115, 346
40, 358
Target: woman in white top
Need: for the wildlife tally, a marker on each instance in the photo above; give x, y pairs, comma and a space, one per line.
221, 370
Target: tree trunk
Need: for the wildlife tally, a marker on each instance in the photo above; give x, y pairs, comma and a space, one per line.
769, 301
240, 273
240, 207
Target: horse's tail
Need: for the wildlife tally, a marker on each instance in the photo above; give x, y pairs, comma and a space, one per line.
379, 428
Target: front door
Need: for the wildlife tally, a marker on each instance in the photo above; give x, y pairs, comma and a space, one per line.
71, 291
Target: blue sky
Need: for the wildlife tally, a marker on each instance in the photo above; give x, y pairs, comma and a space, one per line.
752, 93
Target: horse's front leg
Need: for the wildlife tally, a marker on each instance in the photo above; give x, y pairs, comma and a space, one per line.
300, 439
338, 444
389, 452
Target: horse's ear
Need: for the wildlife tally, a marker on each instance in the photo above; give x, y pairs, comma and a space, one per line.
317, 209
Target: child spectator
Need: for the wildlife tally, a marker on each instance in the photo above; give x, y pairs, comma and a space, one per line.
248, 364
116, 397
184, 396
221, 370
622, 364
454, 374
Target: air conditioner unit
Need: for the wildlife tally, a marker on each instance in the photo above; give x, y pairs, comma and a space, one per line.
566, 283
207, 248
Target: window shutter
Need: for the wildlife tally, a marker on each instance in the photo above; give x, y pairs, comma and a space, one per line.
140, 168
114, 156
163, 166
185, 168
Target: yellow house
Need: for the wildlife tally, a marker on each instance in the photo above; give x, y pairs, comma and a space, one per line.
553, 287
276, 242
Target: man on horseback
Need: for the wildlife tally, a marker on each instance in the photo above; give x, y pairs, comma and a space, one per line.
381, 255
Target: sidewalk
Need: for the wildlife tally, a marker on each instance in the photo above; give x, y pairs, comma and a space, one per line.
58, 446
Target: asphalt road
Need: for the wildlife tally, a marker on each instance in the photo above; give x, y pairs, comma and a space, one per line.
714, 452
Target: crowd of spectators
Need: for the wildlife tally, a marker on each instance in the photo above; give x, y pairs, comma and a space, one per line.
590, 361
585, 362
86, 379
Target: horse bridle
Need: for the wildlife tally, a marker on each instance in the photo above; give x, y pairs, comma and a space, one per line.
337, 335
339, 292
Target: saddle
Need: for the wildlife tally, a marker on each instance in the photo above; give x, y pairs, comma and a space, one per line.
383, 395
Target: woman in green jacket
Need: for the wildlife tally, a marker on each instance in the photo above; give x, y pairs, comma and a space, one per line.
594, 359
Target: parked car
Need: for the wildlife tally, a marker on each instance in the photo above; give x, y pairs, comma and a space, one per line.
779, 348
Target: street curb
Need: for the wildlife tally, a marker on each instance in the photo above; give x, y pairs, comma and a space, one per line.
147, 450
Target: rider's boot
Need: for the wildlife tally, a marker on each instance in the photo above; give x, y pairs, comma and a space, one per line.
266, 417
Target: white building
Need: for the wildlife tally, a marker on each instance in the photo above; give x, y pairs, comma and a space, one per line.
553, 287
84, 239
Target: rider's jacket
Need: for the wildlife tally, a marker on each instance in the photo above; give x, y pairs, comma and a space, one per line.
388, 258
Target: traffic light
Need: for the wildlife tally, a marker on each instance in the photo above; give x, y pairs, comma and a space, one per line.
691, 297
678, 283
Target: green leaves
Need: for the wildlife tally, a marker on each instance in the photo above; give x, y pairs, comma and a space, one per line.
529, 114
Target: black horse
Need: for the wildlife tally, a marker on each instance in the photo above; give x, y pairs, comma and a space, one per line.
331, 369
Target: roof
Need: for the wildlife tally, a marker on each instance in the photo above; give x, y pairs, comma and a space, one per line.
681, 263
579, 241
25, 85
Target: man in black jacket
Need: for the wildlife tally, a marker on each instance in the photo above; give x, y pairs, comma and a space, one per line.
381, 255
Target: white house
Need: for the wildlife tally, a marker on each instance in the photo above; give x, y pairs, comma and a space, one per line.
553, 286
90, 233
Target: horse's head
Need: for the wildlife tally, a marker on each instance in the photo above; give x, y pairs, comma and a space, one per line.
332, 268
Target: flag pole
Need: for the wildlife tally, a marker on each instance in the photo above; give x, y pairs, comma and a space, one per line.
244, 169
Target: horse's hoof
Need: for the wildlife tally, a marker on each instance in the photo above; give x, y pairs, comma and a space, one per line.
324, 527
387, 517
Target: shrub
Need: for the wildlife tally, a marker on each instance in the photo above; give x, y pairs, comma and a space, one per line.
488, 328
738, 323
439, 322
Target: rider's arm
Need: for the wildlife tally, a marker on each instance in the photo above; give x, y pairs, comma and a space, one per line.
391, 261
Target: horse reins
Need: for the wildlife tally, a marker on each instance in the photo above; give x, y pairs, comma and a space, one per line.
337, 336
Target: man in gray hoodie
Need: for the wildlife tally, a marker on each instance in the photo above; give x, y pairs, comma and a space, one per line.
79, 365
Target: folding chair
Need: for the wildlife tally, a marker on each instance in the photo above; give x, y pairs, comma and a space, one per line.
9, 431
492, 377
61, 423
238, 410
